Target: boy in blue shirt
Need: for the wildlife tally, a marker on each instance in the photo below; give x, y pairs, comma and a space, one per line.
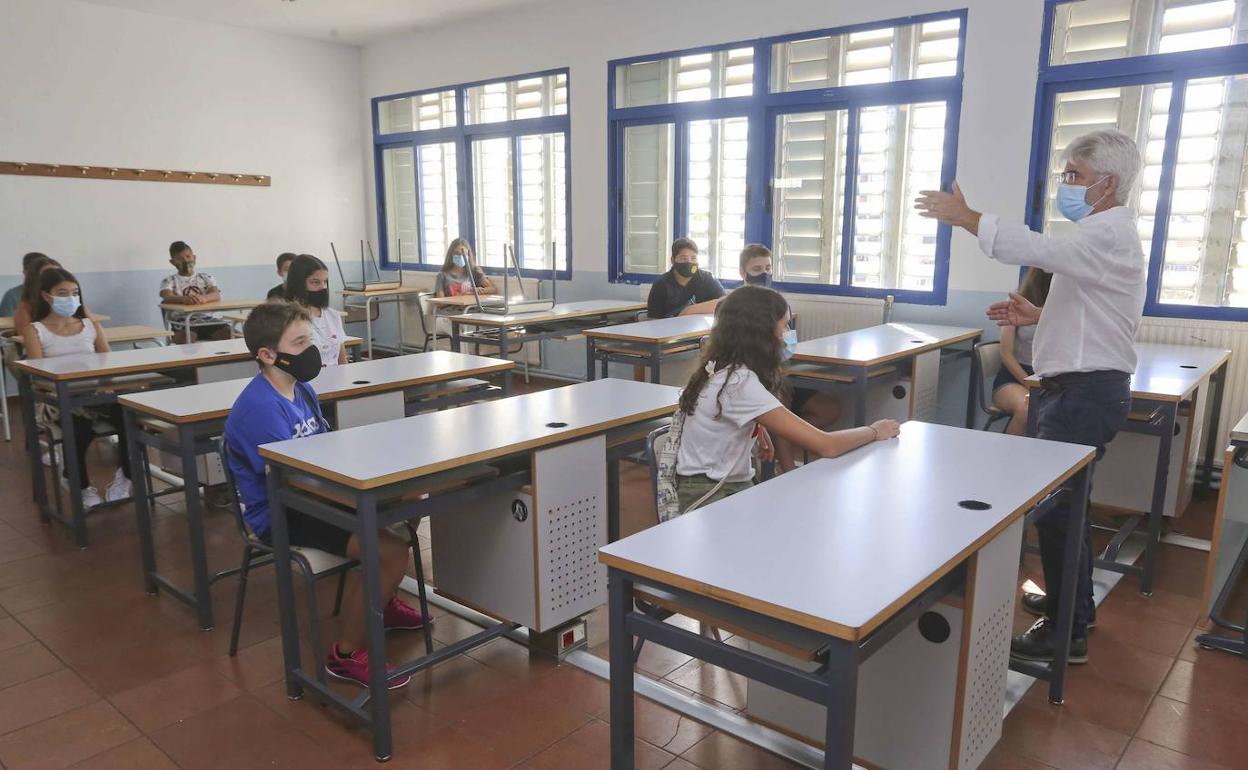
277, 405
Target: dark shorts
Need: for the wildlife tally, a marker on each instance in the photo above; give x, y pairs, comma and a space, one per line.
1005, 378
310, 532
800, 397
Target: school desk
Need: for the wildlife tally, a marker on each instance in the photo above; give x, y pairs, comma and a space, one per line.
183, 423
454, 305
567, 319
1228, 553
842, 563
644, 343
173, 311
366, 298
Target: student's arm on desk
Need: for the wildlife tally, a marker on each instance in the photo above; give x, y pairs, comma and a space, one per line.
783, 423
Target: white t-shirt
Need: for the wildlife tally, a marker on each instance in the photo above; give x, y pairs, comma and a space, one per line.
716, 446
196, 283
57, 345
328, 335
1096, 299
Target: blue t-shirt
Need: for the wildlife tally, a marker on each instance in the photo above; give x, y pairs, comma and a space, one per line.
261, 415
8, 303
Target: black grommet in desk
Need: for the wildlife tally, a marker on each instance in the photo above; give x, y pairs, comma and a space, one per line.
221, 352
974, 505
556, 425
1187, 366
934, 627
361, 382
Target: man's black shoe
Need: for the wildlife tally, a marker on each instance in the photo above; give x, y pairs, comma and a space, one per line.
1038, 642
1038, 604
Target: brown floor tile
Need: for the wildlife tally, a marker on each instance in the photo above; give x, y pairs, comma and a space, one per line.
1216, 736
12, 634
1142, 755
167, 700
1213, 681
39, 699
576, 688
1000, 759
1124, 624
712, 682
679, 763
26, 662
255, 667
454, 689
590, 746
1126, 664
523, 723
662, 727
449, 748
1097, 700
724, 752
515, 659
63, 740
1050, 735
138, 753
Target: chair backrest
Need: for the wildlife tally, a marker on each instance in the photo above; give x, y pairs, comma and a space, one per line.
422, 307
236, 504
655, 442
987, 362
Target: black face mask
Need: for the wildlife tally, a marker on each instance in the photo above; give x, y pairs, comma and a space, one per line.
686, 269
319, 299
303, 367
760, 279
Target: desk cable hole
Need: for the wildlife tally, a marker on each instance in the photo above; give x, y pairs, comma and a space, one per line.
974, 505
1187, 366
361, 382
556, 425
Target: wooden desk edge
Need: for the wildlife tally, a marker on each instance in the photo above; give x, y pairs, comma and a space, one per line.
489, 454
814, 623
806, 358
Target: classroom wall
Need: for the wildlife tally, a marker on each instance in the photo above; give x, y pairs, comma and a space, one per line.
88, 84
1002, 50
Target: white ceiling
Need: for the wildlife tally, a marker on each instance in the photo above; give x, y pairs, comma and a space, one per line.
341, 21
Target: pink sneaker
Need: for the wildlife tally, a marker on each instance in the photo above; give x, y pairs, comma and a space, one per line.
401, 616
354, 668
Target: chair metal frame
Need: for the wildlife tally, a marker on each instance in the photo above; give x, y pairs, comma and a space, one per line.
983, 397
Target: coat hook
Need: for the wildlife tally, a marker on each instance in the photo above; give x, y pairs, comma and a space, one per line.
164, 174
21, 166
190, 174
113, 171
140, 171
53, 168
84, 169
237, 177
260, 179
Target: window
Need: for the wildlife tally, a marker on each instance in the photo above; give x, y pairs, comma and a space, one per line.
812, 143
483, 161
1173, 74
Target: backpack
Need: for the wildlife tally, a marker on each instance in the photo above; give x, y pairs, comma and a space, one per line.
666, 501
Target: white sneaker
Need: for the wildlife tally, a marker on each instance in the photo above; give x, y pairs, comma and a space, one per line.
119, 488
90, 498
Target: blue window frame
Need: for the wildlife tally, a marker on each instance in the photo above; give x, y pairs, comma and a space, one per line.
812, 143
1174, 75
486, 161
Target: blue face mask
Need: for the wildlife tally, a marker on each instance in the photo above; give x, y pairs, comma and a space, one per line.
459, 260
1072, 199
790, 344
65, 306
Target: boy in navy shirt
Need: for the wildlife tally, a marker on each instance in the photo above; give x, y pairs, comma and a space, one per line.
277, 405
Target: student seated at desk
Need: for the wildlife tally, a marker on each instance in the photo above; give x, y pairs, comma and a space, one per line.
62, 327
459, 272
8, 303
308, 284
732, 397
1009, 394
187, 287
30, 291
684, 289
819, 409
278, 292
278, 405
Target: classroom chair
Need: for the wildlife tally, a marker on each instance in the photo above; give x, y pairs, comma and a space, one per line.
423, 310
985, 363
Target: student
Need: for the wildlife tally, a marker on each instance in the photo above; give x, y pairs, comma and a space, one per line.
819, 409
278, 292
308, 284
61, 327
8, 303
187, 287
733, 393
684, 289
277, 405
1009, 393
1085, 341
454, 278
30, 292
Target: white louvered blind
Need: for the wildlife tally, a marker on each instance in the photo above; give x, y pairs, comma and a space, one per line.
399, 183
492, 199
518, 99
808, 195
1098, 30
417, 113
716, 161
543, 200
690, 78
646, 216
439, 203
881, 55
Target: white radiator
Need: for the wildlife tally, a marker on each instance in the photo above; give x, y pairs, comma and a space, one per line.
824, 317
1212, 334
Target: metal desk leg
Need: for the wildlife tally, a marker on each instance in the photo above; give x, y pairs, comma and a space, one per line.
285, 585
655, 359
970, 390
398, 310
1075, 559
374, 606
4, 396
842, 695
454, 337
142, 511
368, 325
860, 397
195, 523
589, 359
613, 500
619, 602
39, 489
1159, 498
69, 456
1033, 411
1211, 439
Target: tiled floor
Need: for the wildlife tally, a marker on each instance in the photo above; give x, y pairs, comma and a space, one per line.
95, 674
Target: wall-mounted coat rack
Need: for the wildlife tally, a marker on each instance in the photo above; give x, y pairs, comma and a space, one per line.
72, 171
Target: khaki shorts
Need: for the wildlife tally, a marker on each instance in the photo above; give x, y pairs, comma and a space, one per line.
689, 489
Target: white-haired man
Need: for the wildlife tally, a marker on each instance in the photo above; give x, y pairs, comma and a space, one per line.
1084, 348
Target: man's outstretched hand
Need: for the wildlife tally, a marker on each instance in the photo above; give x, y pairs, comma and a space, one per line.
1015, 311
